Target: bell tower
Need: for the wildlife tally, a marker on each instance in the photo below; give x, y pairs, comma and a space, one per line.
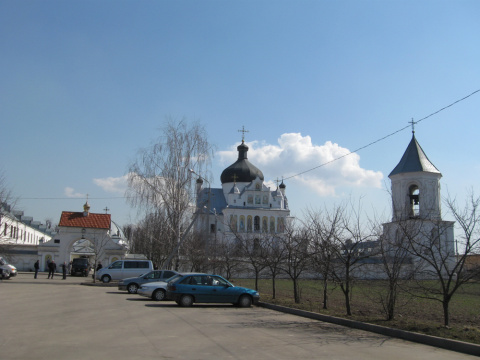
415, 185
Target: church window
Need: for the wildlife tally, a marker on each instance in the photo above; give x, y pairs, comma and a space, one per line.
5, 230
280, 225
257, 199
242, 223
249, 223
272, 224
256, 223
233, 222
250, 199
265, 199
265, 224
257, 187
212, 228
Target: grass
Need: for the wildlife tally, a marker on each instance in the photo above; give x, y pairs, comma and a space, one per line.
412, 313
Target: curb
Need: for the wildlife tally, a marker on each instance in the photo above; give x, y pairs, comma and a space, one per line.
454, 345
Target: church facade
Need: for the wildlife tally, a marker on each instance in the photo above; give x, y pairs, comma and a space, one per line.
243, 206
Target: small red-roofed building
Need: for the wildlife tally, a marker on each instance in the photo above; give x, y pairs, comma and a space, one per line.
84, 234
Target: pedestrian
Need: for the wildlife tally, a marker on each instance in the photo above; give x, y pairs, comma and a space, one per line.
99, 265
64, 270
36, 266
51, 269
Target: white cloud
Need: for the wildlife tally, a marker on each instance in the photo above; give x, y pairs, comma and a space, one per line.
296, 154
113, 184
70, 192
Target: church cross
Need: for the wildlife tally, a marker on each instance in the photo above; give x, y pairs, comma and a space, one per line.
235, 177
106, 209
243, 131
413, 125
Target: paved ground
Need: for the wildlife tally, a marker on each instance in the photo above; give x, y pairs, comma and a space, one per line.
59, 319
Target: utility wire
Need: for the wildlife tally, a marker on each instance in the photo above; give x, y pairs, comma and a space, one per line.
383, 138
314, 168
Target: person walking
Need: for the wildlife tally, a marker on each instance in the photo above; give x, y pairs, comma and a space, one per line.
64, 270
36, 266
51, 269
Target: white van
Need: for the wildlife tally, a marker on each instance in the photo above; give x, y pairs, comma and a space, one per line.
122, 269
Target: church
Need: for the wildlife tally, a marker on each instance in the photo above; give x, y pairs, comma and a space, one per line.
244, 205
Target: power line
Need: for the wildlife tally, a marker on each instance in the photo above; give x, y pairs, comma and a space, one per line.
383, 138
75, 198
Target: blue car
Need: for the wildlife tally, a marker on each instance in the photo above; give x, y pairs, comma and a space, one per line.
204, 288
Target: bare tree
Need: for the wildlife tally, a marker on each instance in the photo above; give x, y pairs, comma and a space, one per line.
324, 229
100, 241
160, 177
193, 250
252, 250
227, 258
296, 241
353, 244
432, 245
153, 237
275, 254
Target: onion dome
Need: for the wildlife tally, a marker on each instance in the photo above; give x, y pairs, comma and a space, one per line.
241, 170
282, 185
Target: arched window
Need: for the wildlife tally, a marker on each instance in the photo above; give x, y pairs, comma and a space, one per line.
242, 223
256, 223
272, 224
265, 224
249, 223
414, 195
233, 222
280, 225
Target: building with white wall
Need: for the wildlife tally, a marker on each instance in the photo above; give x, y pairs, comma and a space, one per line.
243, 206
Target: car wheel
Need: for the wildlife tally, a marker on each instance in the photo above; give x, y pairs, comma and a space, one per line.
245, 301
132, 288
186, 300
106, 279
158, 295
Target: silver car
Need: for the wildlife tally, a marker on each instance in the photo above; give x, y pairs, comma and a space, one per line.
132, 284
156, 290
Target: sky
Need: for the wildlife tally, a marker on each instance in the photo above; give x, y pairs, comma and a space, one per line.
86, 84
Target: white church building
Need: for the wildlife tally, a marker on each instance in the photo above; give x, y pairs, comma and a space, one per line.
243, 205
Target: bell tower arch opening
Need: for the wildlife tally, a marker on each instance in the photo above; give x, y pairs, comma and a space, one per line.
414, 201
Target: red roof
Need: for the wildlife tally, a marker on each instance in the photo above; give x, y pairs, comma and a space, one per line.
77, 219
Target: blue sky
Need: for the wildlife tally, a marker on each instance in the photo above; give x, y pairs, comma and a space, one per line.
85, 84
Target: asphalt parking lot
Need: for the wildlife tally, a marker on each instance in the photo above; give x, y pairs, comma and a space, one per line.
61, 319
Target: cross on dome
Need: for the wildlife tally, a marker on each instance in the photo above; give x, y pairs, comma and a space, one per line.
243, 131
